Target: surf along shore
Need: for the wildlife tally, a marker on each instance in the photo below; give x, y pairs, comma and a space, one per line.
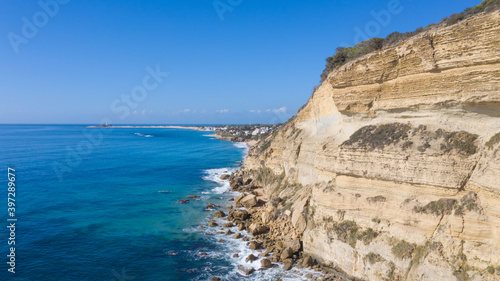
262, 226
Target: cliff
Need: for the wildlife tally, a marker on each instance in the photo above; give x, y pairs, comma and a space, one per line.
391, 171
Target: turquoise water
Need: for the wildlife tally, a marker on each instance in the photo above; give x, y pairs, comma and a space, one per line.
101, 204
102, 217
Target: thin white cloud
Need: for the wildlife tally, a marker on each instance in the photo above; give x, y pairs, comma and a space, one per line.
280, 110
222, 111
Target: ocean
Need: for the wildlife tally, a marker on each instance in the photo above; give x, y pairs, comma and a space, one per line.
102, 204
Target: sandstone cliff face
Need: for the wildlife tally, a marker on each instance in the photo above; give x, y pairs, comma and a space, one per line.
397, 162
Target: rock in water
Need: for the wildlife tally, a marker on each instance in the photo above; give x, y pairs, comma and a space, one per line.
250, 258
254, 245
246, 270
212, 223
266, 263
238, 214
228, 224
219, 214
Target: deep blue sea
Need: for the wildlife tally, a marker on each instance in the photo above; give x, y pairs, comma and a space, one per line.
101, 204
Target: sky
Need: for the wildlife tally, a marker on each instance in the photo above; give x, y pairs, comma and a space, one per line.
182, 62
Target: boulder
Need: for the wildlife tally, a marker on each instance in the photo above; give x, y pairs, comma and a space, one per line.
287, 253
266, 263
228, 224
247, 270
288, 265
211, 206
236, 255
249, 201
251, 258
237, 236
224, 177
193, 196
238, 199
219, 214
183, 201
294, 244
237, 183
307, 262
257, 229
254, 245
237, 214
229, 232
266, 218
216, 279
212, 223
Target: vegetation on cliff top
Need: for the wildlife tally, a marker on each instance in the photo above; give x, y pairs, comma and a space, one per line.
344, 55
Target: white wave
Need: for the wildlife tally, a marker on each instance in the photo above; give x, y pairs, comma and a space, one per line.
214, 175
237, 246
143, 135
245, 147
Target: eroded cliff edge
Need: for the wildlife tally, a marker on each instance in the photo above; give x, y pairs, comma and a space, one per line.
391, 171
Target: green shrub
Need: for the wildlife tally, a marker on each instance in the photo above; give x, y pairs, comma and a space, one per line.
347, 232
374, 258
403, 249
493, 140
367, 236
490, 269
377, 137
376, 199
462, 141
344, 55
441, 207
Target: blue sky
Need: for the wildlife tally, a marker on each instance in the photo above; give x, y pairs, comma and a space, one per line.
216, 62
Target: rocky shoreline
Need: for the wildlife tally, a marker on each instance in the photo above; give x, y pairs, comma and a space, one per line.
272, 233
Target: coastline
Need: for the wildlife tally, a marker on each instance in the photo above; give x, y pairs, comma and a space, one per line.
249, 143
196, 128
255, 241
246, 138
